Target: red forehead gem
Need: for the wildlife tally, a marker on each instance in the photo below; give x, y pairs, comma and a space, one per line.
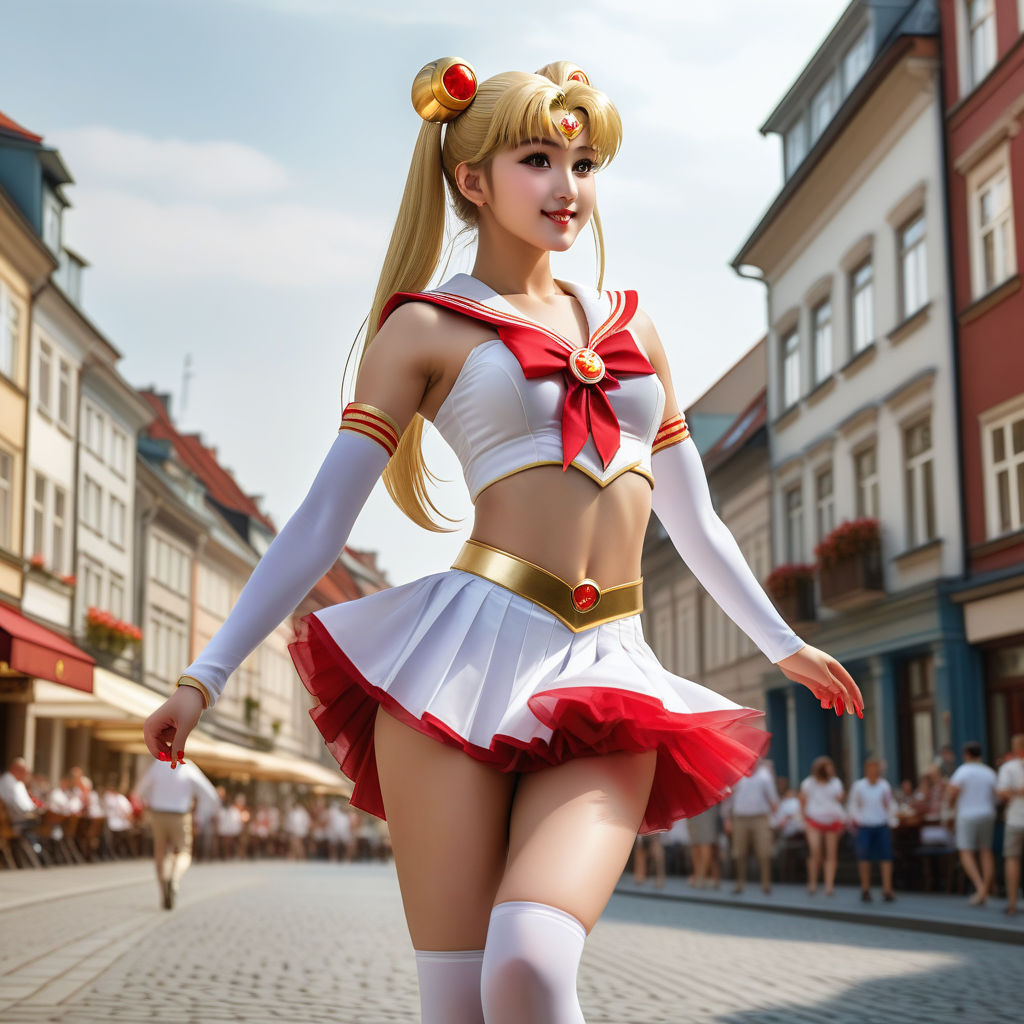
570, 126
459, 81
587, 365
584, 596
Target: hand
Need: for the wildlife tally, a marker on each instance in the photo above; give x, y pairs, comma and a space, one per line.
825, 678
166, 730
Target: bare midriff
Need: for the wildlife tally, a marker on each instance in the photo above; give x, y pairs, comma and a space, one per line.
568, 524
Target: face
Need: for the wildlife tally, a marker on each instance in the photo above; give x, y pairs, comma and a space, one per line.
871, 771
550, 174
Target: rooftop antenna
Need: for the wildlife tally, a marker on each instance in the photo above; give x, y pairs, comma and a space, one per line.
186, 376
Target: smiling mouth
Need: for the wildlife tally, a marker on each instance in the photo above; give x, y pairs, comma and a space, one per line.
561, 218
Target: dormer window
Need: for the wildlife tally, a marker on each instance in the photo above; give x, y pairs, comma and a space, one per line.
796, 146
51, 223
856, 61
824, 106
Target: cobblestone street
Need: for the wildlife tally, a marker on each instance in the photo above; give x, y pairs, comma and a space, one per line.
314, 942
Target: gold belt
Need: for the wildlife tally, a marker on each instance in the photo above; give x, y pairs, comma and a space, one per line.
580, 606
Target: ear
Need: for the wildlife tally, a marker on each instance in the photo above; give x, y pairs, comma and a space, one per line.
472, 184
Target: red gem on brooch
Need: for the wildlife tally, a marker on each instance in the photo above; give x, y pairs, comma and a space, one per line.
570, 126
585, 595
459, 81
587, 365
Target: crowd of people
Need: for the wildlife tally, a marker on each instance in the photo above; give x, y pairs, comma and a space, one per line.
953, 809
73, 821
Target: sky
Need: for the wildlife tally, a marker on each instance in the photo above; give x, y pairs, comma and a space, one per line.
238, 166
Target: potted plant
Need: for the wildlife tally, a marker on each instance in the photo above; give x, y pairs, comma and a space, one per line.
791, 587
107, 633
252, 705
850, 564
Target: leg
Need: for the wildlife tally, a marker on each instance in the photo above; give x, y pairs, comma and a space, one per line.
1012, 867
448, 816
831, 861
988, 869
658, 856
970, 866
639, 862
864, 869
813, 858
887, 877
571, 831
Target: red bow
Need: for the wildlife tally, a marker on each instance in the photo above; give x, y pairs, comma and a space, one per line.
587, 409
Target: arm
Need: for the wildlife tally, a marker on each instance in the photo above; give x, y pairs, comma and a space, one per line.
392, 379
682, 502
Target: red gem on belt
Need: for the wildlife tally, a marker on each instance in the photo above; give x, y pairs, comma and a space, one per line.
585, 595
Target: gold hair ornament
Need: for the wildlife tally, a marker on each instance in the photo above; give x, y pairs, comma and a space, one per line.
443, 89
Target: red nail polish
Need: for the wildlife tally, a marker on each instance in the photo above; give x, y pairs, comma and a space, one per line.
164, 756
181, 756
860, 713
840, 706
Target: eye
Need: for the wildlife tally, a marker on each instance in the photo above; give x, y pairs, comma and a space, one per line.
589, 165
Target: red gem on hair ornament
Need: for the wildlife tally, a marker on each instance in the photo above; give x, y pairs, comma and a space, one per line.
587, 365
569, 125
579, 76
585, 595
460, 82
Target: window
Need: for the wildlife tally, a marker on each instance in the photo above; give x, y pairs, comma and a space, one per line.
10, 319
793, 501
790, 369
64, 395
995, 230
214, 592
862, 318
116, 603
856, 61
824, 503
913, 271
92, 572
119, 451
823, 106
60, 503
6, 497
865, 472
916, 716
1004, 474
51, 223
982, 29
117, 522
43, 382
822, 320
919, 483
171, 566
166, 647
796, 146
39, 515
94, 431
92, 504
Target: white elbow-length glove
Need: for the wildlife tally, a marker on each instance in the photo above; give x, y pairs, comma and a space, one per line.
296, 559
682, 502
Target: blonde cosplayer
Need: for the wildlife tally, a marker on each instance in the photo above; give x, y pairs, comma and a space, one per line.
506, 715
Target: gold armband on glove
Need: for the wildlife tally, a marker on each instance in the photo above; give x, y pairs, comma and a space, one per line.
671, 432
372, 422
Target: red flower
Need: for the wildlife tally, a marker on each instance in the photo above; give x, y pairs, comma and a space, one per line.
784, 580
847, 540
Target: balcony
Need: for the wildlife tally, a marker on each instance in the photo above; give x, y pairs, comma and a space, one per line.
852, 581
792, 589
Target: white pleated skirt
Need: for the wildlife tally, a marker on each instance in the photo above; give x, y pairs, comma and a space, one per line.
476, 666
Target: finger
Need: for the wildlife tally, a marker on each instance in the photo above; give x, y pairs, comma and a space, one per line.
853, 699
178, 747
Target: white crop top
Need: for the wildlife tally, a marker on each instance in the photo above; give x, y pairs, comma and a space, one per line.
505, 411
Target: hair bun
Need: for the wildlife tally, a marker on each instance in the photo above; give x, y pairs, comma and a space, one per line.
443, 89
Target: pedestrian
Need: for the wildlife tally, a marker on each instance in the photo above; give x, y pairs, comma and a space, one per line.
507, 716
821, 804
871, 805
649, 849
1010, 787
703, 830
22, 810
170, 791
749, 813
229, 828
296, 823
972, 790
339, 832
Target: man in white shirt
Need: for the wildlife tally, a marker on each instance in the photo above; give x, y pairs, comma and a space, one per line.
748, 817
973, 787
21, 808
870, 805
1010, 787
169, 794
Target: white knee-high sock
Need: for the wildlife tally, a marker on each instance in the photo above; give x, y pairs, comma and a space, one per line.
530, 960
450, 986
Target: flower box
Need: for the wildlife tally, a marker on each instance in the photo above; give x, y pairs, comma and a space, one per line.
850, 565
791, 587
107, 633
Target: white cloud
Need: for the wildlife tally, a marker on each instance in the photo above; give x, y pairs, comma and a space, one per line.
282, 244
180, 167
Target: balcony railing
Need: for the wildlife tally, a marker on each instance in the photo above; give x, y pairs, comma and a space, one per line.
853, 581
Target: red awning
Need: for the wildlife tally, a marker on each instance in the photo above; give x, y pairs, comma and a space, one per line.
37, 651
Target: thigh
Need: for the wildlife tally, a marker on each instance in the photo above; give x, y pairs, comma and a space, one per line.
571, 830
813, 841
832, 843
448, 818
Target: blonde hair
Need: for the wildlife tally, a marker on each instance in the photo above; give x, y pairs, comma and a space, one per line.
507, 110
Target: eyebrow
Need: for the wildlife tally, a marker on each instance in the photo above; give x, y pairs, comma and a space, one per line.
552, 144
